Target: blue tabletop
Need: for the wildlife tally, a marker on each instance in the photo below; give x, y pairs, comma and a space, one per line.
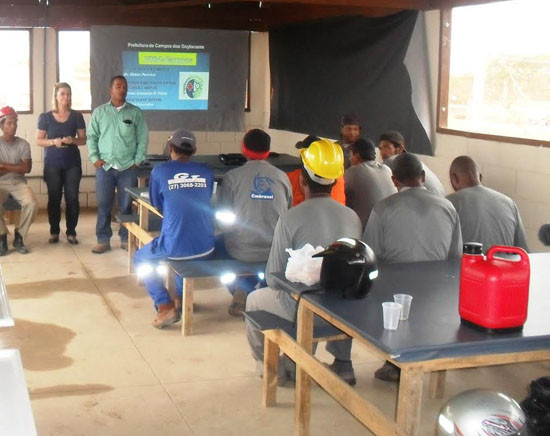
433, 329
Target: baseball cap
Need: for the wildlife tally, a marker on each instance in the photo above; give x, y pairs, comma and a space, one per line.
184, 140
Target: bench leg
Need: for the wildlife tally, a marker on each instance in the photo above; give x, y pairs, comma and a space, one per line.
271, 364
187, 307
131, 252
409, 401
302, 409
437, 384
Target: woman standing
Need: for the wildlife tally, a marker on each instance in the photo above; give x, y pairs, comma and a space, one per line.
61, 131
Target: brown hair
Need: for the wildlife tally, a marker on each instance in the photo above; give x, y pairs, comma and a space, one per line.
56, 88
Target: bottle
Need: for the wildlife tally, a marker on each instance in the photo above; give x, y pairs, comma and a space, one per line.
494, 291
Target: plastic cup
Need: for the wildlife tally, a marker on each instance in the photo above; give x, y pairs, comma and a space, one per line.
405, 301
391, 312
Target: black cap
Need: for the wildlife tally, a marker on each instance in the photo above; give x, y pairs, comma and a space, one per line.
306, 142
472, 248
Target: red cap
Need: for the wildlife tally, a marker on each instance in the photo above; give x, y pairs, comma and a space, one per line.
7, 111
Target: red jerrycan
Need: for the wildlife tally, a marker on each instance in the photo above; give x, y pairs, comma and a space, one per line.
494, 291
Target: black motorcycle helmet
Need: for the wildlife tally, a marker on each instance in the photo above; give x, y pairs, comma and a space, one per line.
349, 267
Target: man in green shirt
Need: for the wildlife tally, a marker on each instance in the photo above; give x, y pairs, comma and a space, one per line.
117, 144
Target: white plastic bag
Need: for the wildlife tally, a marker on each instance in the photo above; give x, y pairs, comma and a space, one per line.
301, 267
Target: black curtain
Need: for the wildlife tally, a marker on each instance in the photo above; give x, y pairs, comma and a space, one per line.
323, 69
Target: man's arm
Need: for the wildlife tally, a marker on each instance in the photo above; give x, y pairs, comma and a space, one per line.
142, 137
278, 257
22, 167
455, 250
373, 234
519, 237
155, 196
94, 132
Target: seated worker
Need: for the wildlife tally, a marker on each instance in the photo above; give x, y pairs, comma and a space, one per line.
257, 193
181, 191
319, 220
367, 181
414, 225
350, 130
338, 191
392, 144
15, 162
486, 216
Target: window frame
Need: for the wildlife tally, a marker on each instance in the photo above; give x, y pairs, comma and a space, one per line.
445, 27
57, 79
31, 90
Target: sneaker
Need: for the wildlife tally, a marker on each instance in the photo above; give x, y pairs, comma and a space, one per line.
101, 248
388, 372
18, 243
124, 245
344, 370
237, 306
71, 239
166, 315
54, 239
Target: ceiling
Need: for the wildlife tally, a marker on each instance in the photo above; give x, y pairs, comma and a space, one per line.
216, 14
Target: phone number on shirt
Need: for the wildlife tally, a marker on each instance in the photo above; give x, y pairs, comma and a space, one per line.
186, 185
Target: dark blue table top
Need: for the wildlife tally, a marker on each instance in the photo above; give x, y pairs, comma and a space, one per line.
433, 329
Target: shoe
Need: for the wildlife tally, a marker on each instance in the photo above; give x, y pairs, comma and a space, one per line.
388, 372
54, 239
344, 370
286, 371
237, 306
101, 248
71, 239
166, 315
18, 243
124, 245
3, 245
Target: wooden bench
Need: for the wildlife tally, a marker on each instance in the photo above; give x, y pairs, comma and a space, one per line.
215, 266
269, 323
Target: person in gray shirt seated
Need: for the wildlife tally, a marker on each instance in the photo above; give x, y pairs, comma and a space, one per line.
319, 220
15, 162
367, 181
256, 193
486, 216
391, 144
414, 225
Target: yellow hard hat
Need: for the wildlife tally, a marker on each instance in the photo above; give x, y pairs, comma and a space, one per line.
324, 158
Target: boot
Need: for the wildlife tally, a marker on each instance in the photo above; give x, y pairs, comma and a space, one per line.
3, 245
238, 304
18, 243
344, 369
166, 315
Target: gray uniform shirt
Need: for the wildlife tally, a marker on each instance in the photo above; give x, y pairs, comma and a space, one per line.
257, 193
366, 184
14, 153
414, 225
431, 183
488, 217
317, 221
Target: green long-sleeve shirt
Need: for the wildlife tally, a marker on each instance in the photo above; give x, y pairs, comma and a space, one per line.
120, 138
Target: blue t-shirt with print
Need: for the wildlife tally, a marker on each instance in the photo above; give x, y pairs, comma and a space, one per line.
181, 191
65, 157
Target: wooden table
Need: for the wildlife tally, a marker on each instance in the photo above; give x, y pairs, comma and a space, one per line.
432, 341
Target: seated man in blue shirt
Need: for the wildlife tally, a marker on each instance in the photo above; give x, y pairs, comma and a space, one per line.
181, 191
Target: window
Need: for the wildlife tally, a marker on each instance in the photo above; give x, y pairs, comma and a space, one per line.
495, 71
74, 66
15, 74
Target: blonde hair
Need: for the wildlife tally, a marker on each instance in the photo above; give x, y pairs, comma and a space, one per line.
56, 88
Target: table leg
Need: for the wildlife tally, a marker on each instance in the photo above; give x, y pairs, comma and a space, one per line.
409, 401
302, 408
271, 364
437, 384
143, 217
187, 307
131, 252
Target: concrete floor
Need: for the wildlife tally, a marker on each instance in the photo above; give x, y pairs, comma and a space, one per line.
95, 366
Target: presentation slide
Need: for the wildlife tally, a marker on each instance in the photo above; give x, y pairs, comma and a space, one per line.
159, 80
192, 78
